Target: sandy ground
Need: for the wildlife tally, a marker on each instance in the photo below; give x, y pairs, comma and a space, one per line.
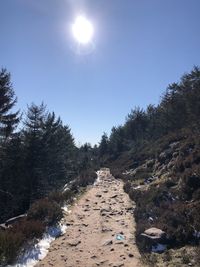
101, 215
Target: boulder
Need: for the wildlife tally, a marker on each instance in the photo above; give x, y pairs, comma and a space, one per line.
151, 237
154, 234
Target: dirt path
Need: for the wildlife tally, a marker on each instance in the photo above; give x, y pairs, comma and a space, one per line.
103, 214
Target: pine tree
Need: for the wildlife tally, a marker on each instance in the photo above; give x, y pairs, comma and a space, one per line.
34, 149
103, 146
8, 119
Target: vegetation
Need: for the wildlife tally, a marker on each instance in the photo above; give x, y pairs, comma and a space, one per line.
156, 153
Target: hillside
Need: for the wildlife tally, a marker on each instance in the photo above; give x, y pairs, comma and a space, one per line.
156, 153
166, 188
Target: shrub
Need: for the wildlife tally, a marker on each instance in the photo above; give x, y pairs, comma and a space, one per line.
60, 197
57, 197
117, 174
29, 228
127, 187
68, 195
44, 210
86, 178
10, 245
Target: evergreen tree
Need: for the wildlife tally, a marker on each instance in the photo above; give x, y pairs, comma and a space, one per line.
34, 147
116, 141
103, 146
8, 119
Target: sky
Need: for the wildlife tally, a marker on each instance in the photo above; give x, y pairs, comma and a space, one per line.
138, 48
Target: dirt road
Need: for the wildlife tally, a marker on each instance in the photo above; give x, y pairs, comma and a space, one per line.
100, 232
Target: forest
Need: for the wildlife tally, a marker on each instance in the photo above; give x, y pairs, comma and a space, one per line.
37, 153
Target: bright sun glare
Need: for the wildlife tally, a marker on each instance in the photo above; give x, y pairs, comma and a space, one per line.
82, 30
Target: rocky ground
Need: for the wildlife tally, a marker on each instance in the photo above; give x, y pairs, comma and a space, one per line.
100, 230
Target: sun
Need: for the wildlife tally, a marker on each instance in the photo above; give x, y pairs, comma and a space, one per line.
82, 30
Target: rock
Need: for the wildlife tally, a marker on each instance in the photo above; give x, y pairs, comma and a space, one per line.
130, 255
93, 257
105, 229
107, 243
152, 237
114, 196
86, 210
119, 242
118, 264
154, 233
73, 243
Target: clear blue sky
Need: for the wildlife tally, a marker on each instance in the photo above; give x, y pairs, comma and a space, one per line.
140, 46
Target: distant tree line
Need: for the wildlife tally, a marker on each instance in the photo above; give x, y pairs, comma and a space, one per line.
37, 153
179, 108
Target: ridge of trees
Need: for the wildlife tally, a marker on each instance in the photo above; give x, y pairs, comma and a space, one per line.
179, 108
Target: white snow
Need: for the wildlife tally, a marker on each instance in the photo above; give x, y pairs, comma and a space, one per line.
159, 248
137, 187
98, 178
39, 250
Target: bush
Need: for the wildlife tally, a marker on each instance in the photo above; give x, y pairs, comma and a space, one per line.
60, 197
127, 187
10, 245
117, 174
44, 210
86, 178
30, 228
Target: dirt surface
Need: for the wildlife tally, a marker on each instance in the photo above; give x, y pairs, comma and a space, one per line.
100, 216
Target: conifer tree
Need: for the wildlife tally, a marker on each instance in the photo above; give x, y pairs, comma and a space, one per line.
8, 119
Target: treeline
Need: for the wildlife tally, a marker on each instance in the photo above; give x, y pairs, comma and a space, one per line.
179, 108
37, 153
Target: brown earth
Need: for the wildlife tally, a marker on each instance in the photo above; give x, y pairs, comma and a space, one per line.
101, 214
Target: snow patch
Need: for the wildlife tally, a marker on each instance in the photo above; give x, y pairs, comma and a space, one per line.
98, 180
66, 209
137, 187
38, 251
